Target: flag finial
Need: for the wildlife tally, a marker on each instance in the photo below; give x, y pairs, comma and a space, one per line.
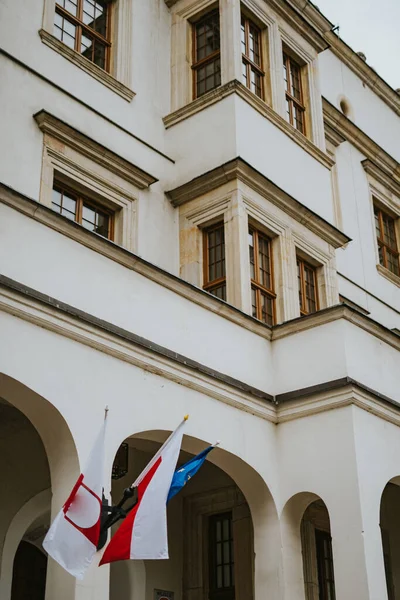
185, 418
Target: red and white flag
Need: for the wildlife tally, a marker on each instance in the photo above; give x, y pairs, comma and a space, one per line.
74, 534
143, 533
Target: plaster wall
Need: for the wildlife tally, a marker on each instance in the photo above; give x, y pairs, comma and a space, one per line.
149, 52
271, 151
359, 259
370, 113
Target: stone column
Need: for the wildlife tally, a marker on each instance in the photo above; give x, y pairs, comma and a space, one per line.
237, 254
231, 58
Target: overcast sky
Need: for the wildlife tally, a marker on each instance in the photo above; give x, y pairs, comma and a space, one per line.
370, 26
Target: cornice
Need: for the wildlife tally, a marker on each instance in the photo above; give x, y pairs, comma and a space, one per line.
367, 74
86, 65
344, 128
55, 316
242, 171
236, 87
335, 395
70, 136
390, 182
334, 313
72, 323
44, 215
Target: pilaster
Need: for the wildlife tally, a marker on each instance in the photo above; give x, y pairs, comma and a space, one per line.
231, 59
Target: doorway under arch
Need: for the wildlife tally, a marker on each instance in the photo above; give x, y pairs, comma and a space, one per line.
211, 529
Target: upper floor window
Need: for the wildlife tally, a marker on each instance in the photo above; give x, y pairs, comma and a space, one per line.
295, 109
221, 561
214, 261
261, 272
84, 26
307, 282
387, 241
206, 54
252, 73
83, 211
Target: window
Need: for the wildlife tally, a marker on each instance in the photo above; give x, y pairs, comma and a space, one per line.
307, 281
206, 54
221, 559
84, 26
252, 72
387, 243
326, 581
261, 272
76, 208
295, 108
214, 261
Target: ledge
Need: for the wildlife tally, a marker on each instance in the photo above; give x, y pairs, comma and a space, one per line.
236, 87
392, 277
50, 218
68, 321
239, 169
86, 65
97, 152
390, 182
344, 129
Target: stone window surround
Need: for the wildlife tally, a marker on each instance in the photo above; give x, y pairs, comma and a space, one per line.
74, 159
275, 32
119, 78
384, 193
197, 508
239, 206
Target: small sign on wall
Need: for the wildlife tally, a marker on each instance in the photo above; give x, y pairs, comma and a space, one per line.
163, 595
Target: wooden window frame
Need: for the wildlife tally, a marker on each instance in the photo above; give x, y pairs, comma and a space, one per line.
246, 60
288, 59
215, 593
379, 212
80, 201
208, 285
82, 27
198, 64
320, 536
303, 310
255, 284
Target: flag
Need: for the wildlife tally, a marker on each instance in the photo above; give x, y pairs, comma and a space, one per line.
74, 534
143, 533
187, 471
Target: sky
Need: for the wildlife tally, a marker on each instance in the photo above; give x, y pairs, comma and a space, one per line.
372, 27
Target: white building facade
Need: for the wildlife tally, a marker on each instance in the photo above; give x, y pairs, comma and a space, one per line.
200, 213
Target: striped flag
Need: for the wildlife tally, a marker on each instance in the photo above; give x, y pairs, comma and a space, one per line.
143, 533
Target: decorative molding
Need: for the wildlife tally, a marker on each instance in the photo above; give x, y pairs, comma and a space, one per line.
390, 182
333, 137
311, 13
128, 259
74, 324
86, 65
367, 74
97, 152
392, 277
239, 169
58, 317
344, 128
236, 87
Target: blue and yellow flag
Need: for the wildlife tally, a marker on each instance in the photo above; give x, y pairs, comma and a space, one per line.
186, 472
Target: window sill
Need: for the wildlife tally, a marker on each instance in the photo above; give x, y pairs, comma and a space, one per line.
235, 87
87, 66
388, 275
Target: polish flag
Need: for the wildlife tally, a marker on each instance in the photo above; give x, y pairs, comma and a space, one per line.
143, 533
73, 537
